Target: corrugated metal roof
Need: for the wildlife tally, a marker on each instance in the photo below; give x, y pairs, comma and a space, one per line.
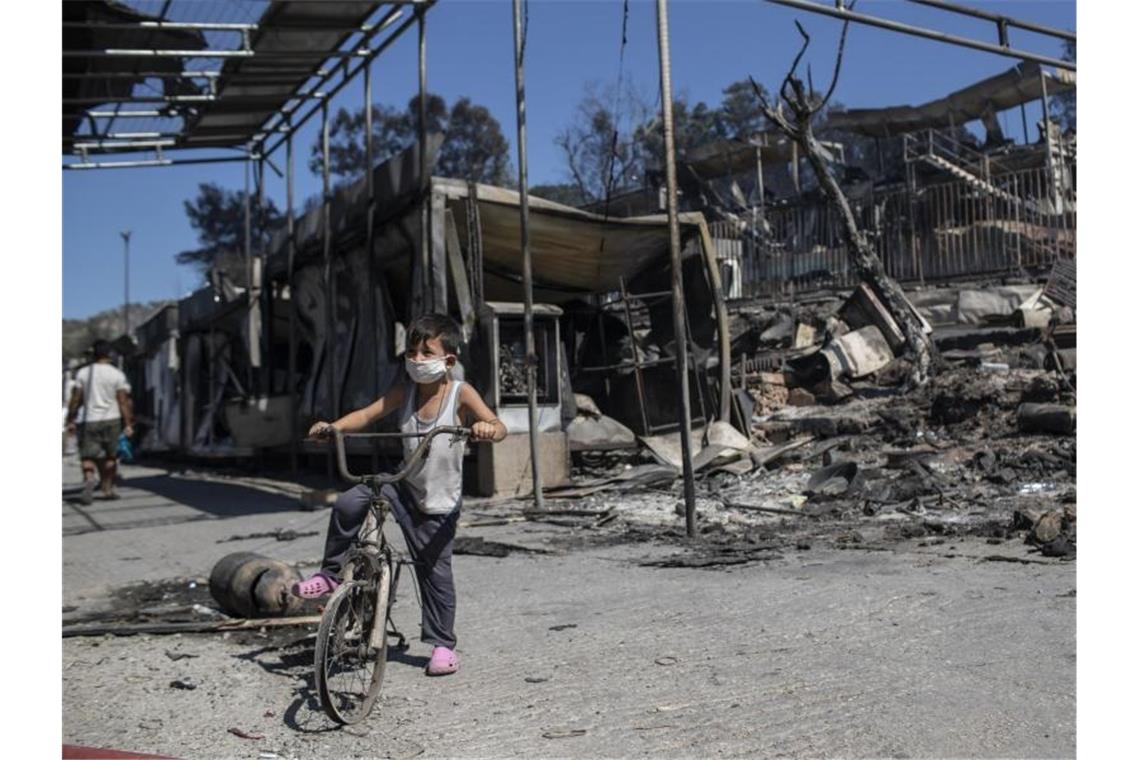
251, 90
171, 75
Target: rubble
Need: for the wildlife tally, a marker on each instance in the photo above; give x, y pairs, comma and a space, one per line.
840, 448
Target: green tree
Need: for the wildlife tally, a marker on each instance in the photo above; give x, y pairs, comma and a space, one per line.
218, 216
1064, 104
740, 116
473, 147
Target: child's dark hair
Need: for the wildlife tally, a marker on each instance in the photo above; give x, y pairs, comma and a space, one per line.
428, 326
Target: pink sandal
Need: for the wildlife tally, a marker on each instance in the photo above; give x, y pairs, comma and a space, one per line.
443, 662
315, 586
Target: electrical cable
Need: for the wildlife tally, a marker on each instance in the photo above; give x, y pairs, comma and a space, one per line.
617, 110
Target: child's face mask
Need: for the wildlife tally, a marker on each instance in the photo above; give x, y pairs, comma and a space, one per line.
426, 371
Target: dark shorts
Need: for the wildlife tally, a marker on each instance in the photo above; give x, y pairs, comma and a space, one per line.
99, 440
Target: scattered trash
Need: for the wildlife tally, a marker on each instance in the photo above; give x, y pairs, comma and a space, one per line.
176, 656
1047, 418
562, 627
280, 535
833, 480
536, 679
667, 660
183, 683
563, 733
245, 734
479, 547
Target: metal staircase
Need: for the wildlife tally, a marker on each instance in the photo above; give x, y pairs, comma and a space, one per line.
946, 153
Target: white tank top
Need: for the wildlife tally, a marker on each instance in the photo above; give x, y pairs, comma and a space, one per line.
436, 482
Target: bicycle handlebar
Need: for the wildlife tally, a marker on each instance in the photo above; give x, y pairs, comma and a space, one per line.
412, 460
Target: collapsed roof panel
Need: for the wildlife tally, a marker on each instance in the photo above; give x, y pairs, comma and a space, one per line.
573, 252
1021, 84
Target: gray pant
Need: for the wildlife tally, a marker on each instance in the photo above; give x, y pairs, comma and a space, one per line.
429, 539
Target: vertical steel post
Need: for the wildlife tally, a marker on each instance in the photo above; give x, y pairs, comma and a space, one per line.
1049, 173
679, 332
294, 401
266, 300
528, 285
425, 180
330, 322
369, 254
126, 281
249, 305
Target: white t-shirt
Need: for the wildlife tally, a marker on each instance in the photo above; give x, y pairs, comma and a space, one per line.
100, 382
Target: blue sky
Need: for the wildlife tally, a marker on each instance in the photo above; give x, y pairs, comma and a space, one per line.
569, 45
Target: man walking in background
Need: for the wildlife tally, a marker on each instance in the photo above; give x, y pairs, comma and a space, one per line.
104, 394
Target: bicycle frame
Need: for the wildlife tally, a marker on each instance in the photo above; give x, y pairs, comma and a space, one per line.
376, 552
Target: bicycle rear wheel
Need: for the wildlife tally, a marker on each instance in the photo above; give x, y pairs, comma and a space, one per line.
349, 669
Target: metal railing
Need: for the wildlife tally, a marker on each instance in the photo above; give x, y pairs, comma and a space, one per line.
941, 231
945, 144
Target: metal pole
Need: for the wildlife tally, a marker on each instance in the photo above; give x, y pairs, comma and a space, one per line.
330, 324
1049, 173
425, 180
1007, 20
528, 285
679, 333
126, 281
250, 338
266, 299
294, 432
369, 254
155, 162
931, 34
1024, 125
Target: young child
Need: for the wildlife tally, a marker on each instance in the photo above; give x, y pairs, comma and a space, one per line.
425, 504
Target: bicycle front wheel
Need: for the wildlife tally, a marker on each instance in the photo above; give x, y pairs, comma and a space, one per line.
349, 669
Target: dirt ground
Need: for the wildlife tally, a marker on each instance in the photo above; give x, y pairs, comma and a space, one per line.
603, 642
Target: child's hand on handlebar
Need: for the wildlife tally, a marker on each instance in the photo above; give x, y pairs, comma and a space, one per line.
321, 430
483, 431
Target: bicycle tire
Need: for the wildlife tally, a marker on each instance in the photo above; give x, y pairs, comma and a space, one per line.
347, 624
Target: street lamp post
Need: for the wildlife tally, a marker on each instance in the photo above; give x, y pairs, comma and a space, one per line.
126, 281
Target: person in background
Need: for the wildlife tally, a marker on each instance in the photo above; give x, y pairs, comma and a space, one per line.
68, 386
104, 395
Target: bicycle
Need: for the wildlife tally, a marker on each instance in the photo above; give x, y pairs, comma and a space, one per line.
352, 640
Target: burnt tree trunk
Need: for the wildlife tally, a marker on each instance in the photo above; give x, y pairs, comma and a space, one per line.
859, 251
